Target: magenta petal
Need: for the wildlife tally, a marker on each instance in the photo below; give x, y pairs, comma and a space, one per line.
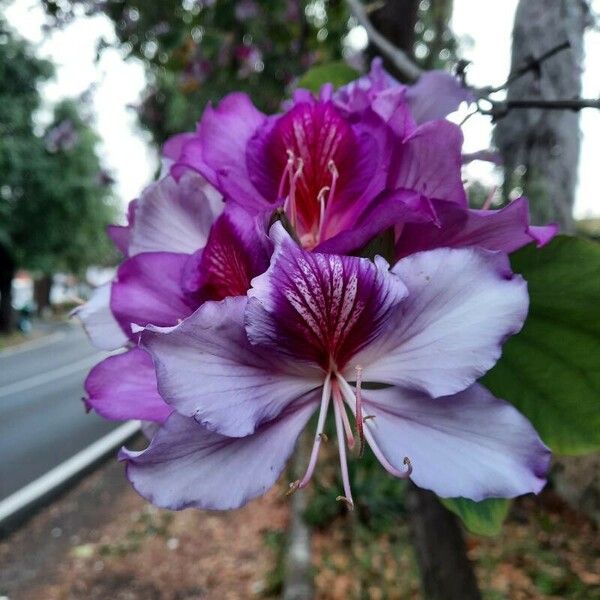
236, 252
175, 217
461, 306
319, 307
469, 445
123, 387
173, 147
207, 369
223, 134
435, 95
504, 230
148, 289
99, 322
388, 209
429, 162
187, 465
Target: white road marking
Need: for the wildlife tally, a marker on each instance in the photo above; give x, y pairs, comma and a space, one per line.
44, 378
66, 470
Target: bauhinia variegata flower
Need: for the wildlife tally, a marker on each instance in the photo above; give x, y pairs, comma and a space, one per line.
244, 308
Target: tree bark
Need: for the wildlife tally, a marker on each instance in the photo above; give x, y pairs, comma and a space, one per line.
445, 569
540, 148
7, 273
396, 20
41, 292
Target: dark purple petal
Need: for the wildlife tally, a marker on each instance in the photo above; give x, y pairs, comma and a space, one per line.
147, 290
469, 445
429, 162
207, 369
435, 95
99, 322
461, 306
123, 387
320, 308
188, 465
175, 216
505, 230
236, 252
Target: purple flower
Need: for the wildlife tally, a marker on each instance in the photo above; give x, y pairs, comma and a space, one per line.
316, 332
344, 170
180, 252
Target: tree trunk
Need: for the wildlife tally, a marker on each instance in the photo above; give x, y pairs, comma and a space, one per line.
7, 273
540, 148
446, 572
396, 20
41, 293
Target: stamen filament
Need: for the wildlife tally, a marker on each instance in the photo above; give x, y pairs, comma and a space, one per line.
337, 407
319, 435
285, 174
351, 400
345, 421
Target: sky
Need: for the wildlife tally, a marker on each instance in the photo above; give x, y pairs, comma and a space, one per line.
484, 29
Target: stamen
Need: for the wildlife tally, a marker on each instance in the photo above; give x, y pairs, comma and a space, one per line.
350, 399
490, 198
292, 194
347, 427
286, 173
359, 415
349, 503
337, 407
319, 436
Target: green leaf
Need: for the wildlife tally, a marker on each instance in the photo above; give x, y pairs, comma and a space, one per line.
551, 370
483, 518
338, 73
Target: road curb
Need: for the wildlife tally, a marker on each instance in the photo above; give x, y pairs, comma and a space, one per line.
23, 503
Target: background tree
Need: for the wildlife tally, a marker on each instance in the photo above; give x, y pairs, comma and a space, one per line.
54, 199
540, 148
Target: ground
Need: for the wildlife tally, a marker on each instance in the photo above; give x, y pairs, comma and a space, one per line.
102, 541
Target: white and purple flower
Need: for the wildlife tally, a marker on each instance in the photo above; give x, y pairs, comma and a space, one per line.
400, 350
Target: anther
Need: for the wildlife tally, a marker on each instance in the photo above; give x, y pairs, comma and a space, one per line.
323, 437
293, 487
367, 417
408, 465
347, 501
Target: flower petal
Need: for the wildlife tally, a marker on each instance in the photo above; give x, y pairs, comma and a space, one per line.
317, 307
175, 216
99, 322
435, 95
208, 370
123, 387
219, 151
461, 306
187, 465
236, 252
148, 289
471, 445
429, 161
504, 230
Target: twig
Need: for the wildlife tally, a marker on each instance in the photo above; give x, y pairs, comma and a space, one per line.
400, 59
533, 64
500, 109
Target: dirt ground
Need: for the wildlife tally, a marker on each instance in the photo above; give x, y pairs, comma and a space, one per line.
103, 542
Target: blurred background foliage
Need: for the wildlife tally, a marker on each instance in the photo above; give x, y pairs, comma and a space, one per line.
196, 51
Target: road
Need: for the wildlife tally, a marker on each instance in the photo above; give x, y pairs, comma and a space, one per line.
42, 418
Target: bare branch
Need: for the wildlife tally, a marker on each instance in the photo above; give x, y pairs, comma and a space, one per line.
500, 109
533, 64
400, 59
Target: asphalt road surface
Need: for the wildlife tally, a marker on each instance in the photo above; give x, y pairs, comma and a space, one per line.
42, 418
